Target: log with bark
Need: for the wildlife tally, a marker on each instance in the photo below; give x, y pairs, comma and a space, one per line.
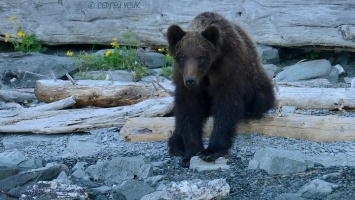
315, 128
96, 93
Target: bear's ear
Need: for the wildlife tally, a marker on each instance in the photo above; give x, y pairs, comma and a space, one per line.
212, 34
174, 34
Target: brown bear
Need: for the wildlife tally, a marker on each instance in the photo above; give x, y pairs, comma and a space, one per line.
217, 73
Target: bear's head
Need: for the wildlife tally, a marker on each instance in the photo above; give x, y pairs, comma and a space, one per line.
193, 52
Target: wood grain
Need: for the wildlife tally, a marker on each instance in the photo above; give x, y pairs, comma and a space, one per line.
290, 23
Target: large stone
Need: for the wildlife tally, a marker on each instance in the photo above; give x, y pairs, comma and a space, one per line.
22, 70
153, 60
317, 189
120, 169
192, 189
131, 190
15, 158
14, 185
8, 171
78, 146
54, 191
305, 71
332, 160
276, 161
279, 23
11, 158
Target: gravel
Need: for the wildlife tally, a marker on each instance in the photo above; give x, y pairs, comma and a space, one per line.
244, 183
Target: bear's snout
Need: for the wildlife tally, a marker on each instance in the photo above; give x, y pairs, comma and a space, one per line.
190, 81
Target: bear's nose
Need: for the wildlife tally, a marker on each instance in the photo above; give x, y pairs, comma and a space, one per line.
189, 82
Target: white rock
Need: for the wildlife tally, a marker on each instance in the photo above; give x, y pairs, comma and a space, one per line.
340, 69
197, 189
200, 165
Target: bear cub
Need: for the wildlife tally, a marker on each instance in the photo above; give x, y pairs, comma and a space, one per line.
217, 73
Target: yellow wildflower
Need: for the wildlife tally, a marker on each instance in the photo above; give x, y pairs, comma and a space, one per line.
12, 18
7, 36
107, 53
160, 49
114, 43
70, 53
21, 34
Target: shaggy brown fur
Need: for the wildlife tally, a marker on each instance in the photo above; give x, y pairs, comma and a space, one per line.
216, 72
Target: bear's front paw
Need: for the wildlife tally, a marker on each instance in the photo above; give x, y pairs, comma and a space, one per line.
185, 162
210, 155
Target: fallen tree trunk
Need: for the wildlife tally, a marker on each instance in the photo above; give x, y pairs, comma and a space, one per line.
106, 94
317, 98
96, 93
316, 128
77, 120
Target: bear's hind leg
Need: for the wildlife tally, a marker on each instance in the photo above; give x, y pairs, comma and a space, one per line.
262, 100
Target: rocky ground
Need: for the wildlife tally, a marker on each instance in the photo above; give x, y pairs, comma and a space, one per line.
100, 165
79, 155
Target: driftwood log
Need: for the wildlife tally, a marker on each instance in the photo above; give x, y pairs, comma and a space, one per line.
106, 94
96, 93
17, 95
280, 23
78, 120
57, 105
316, 128
317, 98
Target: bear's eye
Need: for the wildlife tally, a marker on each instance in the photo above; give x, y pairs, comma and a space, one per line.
200, 59
181, 60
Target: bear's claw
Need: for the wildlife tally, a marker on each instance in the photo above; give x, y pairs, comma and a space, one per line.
210, 156
185, 162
